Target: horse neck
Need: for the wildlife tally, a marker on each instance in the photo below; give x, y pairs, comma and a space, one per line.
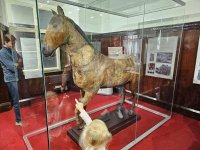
83, 56
76, 40
80, 50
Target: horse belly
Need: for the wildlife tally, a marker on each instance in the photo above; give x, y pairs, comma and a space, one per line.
116, 73
85, 80
116, 76
116, 79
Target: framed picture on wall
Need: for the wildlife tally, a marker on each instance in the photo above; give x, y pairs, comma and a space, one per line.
161, 53
196, 78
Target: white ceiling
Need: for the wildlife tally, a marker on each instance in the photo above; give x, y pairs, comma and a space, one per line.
125, 8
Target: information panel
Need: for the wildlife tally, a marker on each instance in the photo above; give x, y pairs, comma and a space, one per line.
161, 54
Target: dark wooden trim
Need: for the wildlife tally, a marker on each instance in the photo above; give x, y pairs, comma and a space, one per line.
175, 27
5, 106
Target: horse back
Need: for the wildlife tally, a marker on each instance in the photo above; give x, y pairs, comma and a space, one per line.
116, 72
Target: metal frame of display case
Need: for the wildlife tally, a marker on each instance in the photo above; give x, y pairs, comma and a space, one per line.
128, 146
135, 140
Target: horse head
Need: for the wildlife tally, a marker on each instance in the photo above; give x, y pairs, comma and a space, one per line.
56, 33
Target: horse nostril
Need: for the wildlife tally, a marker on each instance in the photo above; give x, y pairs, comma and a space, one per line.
53, 54
44, 50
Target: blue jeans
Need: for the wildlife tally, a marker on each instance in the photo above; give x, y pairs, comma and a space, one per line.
13, 90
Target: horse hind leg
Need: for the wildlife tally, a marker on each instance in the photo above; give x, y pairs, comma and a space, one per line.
133, 88
120, 107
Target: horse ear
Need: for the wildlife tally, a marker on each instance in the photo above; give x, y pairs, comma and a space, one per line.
54, 13
60, 11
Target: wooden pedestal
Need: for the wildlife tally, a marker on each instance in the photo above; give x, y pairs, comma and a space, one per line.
113, 122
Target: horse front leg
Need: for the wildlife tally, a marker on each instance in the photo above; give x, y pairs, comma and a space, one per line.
133, 88
134, 96
120, 107
77, 113
82, 93
85, 99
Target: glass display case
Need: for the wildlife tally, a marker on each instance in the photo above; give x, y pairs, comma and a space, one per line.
146, 32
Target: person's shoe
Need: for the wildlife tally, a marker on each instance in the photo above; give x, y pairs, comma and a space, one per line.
18, 123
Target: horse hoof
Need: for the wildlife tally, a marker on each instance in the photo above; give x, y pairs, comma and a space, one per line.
130, 112
80, 126
119, 113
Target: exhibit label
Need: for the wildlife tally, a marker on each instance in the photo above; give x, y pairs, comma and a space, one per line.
161, 54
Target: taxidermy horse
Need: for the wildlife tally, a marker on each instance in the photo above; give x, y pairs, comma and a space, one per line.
91, 69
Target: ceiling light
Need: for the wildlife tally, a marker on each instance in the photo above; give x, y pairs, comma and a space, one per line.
100, 14
91, 17
48, 1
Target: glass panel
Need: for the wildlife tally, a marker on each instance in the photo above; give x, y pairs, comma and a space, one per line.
142, 49
126, 8
102, 30
44, 17
27, 46
162, 43
49, 62
105, 28
22, 19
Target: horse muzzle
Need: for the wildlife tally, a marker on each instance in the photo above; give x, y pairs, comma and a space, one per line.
48, 52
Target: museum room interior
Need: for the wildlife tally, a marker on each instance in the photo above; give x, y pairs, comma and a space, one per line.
133, 64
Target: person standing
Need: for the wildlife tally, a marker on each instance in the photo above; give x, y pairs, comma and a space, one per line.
9, 59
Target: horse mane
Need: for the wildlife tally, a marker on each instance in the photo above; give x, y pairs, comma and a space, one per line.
80, 31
